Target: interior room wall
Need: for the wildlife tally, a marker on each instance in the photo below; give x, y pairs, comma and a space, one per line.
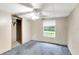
13, 30
61, 31
26, 30
5, 31
73, 31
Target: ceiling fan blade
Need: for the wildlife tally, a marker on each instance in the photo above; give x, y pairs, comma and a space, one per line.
37, 5
27, 5
23, 13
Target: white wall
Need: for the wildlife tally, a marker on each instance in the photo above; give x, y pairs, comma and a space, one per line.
73, 31
26, 30
61, 32
13, 30
5, 31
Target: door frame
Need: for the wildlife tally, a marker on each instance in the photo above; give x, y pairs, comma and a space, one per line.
19, 18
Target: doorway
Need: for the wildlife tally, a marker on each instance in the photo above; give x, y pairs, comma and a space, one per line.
19, 31
16, 31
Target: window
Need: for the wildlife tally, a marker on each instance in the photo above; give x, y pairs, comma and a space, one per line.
49, 28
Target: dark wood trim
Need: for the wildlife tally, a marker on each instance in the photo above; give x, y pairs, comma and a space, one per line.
18, 18
51, 43
19, 31
13, 15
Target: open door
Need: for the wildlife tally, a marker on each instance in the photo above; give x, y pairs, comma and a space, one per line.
19, 30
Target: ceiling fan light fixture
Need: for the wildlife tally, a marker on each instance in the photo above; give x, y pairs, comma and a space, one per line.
34, 17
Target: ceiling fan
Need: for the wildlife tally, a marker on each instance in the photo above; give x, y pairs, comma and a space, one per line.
47, 10
36, 10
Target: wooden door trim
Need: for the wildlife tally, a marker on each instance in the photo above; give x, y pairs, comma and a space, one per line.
19, 18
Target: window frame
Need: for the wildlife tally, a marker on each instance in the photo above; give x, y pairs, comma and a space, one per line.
52, 26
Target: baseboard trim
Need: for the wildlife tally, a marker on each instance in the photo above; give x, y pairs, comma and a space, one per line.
50, 43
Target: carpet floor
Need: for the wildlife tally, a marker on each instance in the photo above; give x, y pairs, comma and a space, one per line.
38, 48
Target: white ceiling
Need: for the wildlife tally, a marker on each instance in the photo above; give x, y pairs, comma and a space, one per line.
53, 9
14, 8
47, 9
